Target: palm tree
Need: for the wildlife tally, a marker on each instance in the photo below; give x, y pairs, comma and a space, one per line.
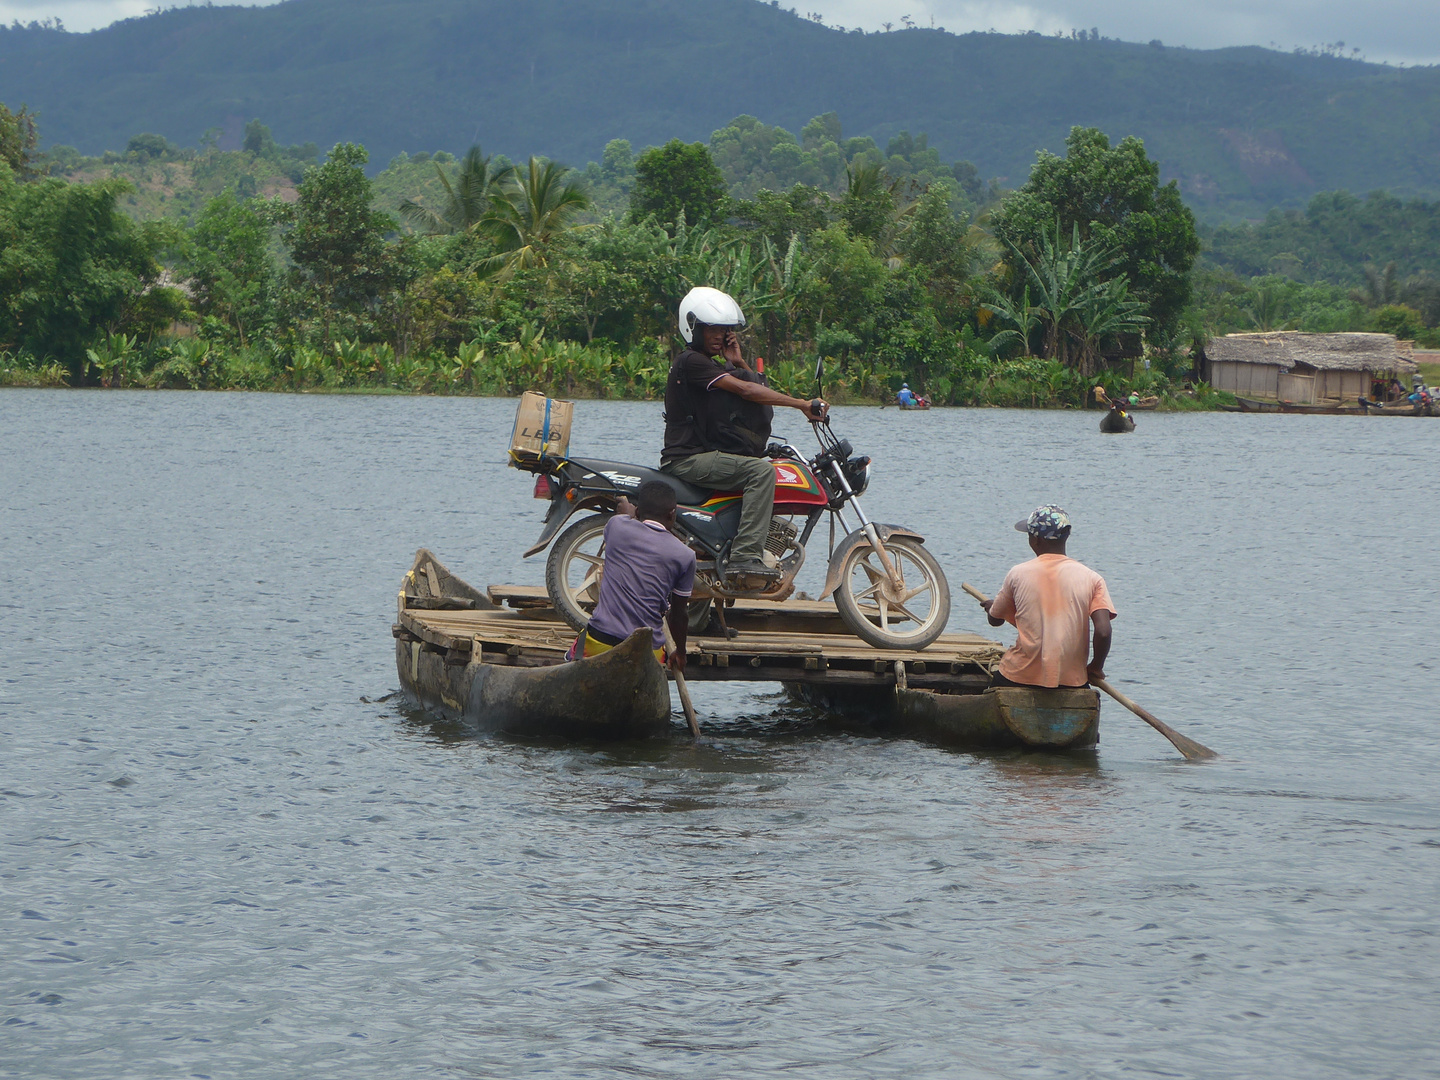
875, 207
1266, 311
479, 183
531, 213
1381, 287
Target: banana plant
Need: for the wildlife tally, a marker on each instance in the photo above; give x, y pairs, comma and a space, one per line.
109, 359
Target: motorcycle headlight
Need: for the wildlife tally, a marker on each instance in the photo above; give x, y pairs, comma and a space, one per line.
857, 471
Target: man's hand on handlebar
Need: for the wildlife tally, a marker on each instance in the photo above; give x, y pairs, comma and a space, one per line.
817, 409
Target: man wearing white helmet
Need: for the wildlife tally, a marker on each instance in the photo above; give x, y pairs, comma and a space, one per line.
717, 421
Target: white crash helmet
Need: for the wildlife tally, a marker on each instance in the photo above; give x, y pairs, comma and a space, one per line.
709, 306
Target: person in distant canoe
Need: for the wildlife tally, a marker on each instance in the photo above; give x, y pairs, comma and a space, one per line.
649, 575
1052, 601
905, 396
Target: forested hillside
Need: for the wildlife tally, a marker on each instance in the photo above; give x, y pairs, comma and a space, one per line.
1243, 130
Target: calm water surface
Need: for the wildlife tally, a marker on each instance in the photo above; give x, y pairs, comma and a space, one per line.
218, 859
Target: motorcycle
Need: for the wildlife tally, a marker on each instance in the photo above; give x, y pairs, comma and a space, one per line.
888, 588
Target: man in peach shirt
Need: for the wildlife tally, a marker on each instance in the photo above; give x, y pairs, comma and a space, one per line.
1052, 600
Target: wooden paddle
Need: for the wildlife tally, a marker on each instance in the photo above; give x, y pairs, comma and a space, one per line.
1192, 750
685, 703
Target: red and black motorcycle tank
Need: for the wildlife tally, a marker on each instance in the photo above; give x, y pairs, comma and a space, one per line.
797, 491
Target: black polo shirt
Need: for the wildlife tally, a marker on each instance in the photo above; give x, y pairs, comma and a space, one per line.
690, 404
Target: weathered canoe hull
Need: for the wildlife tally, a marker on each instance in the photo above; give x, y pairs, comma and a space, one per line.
622, 694
1001, 717
1114, 423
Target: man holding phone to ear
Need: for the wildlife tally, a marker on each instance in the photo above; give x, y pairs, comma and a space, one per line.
717, 422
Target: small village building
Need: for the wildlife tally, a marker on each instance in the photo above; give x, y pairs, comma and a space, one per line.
1304, 368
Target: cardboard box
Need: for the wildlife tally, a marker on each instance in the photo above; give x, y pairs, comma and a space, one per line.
542, 428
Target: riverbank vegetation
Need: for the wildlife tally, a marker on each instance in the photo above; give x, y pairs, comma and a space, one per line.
486, 276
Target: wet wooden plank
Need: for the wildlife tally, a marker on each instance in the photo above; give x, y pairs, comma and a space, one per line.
525, 637
805, 616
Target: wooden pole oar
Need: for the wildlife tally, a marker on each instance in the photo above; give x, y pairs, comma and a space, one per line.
685, 703
1192, 750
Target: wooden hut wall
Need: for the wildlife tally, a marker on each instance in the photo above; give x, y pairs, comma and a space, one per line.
1345, 385
1245, 379
1297, 387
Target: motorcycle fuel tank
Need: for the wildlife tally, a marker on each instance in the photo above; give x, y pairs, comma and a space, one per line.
714, 521
796, 491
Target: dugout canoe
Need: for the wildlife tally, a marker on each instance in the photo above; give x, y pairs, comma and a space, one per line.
1001, 717
1116, 422
1257, 405
622, 694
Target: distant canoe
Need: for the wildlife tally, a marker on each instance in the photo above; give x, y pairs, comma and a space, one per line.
1000, 717
1261, 405
1399, 408
620, 694
1116, 422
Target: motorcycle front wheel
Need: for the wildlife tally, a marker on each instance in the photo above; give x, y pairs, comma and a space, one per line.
878, 613
574, 567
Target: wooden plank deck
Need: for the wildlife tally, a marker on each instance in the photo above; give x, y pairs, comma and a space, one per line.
797, 641
799, 616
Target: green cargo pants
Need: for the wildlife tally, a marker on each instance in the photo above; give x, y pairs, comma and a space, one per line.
726, 472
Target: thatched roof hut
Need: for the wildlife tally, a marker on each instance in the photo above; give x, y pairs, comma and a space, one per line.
1305, 368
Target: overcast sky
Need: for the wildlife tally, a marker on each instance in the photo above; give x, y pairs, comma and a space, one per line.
1394, 30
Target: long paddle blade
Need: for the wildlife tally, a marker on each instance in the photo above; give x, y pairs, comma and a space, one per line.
1192, 750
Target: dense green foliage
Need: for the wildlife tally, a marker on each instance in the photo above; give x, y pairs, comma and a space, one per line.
514, 268
512, 277
677, 183
19, 139
1242, 129
1345, 263
1112, 198
72, 267
1333, 239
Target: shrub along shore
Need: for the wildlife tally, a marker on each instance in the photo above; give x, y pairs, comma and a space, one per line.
559, 369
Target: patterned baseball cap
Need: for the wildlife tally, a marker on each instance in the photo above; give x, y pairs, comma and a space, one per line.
1045, 523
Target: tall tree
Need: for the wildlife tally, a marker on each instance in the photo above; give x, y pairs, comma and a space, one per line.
1112, 195
675, 179
337, 241
19, 136
228, 266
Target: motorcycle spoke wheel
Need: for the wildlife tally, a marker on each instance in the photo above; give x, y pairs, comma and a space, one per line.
574, 569
908, 617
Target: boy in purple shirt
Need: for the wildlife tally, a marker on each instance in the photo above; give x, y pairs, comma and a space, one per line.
648, 572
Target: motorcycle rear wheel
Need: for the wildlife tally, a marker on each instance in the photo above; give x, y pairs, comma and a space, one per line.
574, 567
869, 605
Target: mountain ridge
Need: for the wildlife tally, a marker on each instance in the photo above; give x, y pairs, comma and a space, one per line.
1242, 129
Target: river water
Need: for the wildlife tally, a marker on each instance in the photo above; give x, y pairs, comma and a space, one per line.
218, 859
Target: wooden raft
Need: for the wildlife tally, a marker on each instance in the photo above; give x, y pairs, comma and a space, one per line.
800, 641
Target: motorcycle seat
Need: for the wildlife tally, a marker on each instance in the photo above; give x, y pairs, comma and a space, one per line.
628, 477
